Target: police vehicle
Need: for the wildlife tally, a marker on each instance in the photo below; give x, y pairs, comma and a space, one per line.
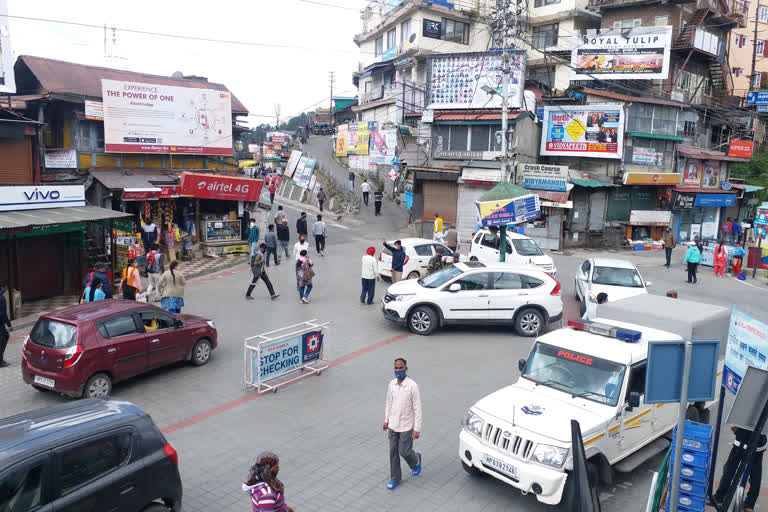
593, 372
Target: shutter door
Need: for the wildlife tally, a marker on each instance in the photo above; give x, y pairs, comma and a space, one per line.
440, 197
37, 277
618, 204
579, 213
467, 211
16, 161
597, 210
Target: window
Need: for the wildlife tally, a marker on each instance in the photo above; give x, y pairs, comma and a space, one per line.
762, 14
459, 138
684, 81
85, 462
379, 46
120, 325
616, 276
455, 31
474, 282
507, 281
628, 24
405, 32
689, 128
545, 36
542, 3
90, 135
526, 247
480, 138
154, 320
661, 21
21, 490
391, 38
637, 379
741, 41
737, 72
423, 250
760, 47
490, 241
48, 333
585, 267
531, 282
756, 80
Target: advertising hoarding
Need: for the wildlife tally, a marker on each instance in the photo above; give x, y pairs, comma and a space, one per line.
643, 54
293, 162
710, 174
456, 80
211, 186
342, 139
304, 170
383, 146
363, 138
542, 177
352, 139
94, 110
509, 211
149, 118
7, 80
740, 148
42, 196
595, 130
647, 156
692, 173
747, 346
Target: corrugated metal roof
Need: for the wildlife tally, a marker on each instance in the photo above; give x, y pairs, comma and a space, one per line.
50, 216
747, 188
56, 76
590, 183
477, 115
635, 99
706, 154
117, 179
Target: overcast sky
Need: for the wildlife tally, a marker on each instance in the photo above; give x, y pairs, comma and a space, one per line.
296, 78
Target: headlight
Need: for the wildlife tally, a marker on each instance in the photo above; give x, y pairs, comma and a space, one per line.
404, 296
550, 455
211, 323
473, 423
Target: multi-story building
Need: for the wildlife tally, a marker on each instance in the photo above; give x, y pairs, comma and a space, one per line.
743, 45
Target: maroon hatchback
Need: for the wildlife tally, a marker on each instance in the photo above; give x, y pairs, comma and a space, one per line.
84, 349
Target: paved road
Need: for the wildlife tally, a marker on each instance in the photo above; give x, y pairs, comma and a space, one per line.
326, 429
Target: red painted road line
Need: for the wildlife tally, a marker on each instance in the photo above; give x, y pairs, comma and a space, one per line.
197, 418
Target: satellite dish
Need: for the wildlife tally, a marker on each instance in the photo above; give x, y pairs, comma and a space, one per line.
177, 75
412, 38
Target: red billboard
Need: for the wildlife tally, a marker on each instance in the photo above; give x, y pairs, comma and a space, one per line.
740, 148
227, 188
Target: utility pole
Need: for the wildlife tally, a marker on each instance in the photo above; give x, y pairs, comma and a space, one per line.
332, 79
277, 116
754, 51
503, 5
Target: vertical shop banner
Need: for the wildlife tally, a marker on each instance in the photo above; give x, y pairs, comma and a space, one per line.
150, 118
363, 138
352, 139
641, 53
342, 139
710, 174
747, 346
692, 173
595, 131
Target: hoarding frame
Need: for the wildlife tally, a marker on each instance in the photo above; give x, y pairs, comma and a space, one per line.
592, 108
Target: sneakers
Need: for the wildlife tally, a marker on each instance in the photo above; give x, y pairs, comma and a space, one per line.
3, 364
248, 297
304, 300
275, 296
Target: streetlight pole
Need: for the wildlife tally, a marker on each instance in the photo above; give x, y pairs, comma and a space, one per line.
504, 119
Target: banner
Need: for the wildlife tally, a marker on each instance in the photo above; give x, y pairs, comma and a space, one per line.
509, 211
363, 138
740, 148
383, 146
710, 174
280, 357
94, 110
41, 196
747, 346
293, 162
214, 186
647, 156
342, 139
469, 80
542, 177
352, 139
148, 118
692, 173
641, 54
595, 130
304, 170
61, 158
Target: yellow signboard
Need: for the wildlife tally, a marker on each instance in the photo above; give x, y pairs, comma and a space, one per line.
363, 138
342, 135
576, 129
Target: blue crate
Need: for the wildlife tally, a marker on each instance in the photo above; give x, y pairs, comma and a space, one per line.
696, 459
696, 432
688, 502
638, 247
692, 487
692, 473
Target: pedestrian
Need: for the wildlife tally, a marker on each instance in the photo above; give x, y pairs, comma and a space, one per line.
437, 261
370, 274
153, 268
692, 258
272, 190
301, 245
378, 197
478, 226
99, 272
171, 288
721, 258
149, 234
669, 244
726, 229
351, 182
451, 238
280, 216
402, 422
736, 230
398, 260
283, 237
131, 280
262, 485
321, 198
320, 230
5, 324
366, 189
738, 452
591, 307
271, 241
304, 275
737, 260
437, 228
301, 224
253, 236
94, 291
189, 218
258, 272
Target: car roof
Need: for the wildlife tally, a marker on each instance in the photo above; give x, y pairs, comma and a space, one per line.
510, 234
610, 262
33, 429
95, 310
413, 241
605, 347
500, 267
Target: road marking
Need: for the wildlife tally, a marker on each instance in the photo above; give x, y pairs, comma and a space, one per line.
750, 284
197, 418
339, 226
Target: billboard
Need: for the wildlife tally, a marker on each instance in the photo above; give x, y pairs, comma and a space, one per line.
7, 80
304, 170
293, 162
595, 131
149, 118
383, 146
509, 211
740, 148
457, 80
363, 138
542, 177
225, 188
747, 346
342, 139
641, 54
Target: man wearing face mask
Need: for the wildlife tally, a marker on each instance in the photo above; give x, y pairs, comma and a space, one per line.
402, 420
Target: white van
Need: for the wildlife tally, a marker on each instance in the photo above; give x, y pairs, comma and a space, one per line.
521, 250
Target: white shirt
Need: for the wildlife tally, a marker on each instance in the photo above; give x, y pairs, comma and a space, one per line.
298, 247
318, 228
149, 228
365, 187
403, 409
370, 267
591, 312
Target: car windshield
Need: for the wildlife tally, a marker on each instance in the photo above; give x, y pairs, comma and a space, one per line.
440, 277
52, 334
578, 374
614, 276
526, 247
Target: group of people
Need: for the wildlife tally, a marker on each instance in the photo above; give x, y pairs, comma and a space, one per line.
449, 237
695, 251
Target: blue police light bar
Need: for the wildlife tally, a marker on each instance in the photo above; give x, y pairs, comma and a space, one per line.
606, 330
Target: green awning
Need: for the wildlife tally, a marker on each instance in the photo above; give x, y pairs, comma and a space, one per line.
590, 183
503, 191
655, 136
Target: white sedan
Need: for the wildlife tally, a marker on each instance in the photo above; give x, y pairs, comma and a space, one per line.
618, 278
418, 252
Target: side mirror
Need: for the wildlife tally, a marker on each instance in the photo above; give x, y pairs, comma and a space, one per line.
634, 400
455, 287
521, 364
648, 284
179, 324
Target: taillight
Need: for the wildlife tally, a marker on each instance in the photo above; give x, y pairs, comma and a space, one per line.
557, 289
72, 356
171, 453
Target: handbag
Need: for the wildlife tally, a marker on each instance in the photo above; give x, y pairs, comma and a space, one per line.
309, 273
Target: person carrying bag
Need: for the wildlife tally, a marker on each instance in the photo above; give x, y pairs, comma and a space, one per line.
131, 282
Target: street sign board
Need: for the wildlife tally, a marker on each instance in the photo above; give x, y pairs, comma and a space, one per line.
747, 346
762, 108
665, 371
757, 98
509, 211
761, 219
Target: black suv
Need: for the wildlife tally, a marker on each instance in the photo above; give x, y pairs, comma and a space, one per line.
93, 455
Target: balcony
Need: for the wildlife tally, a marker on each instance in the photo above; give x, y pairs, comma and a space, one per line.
694, 38
597, 5
408, 98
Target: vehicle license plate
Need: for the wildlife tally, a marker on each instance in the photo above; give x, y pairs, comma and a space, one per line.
45, 382
505, 468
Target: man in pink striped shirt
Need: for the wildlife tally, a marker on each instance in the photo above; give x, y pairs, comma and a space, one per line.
402, 419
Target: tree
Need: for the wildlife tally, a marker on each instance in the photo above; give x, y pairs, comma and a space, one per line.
754, 172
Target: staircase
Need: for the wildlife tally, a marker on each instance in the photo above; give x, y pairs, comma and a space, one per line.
722, 81
686, 36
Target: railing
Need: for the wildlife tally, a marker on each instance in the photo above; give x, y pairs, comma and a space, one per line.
617, 3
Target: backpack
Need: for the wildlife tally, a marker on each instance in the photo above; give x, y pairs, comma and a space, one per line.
153, 266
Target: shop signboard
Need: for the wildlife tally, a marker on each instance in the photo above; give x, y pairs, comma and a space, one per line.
614, 54
692, 173
509, 211
595, 130
757, 98
278, 139
715, 200
404, 62
740, 148
647, 156
61, 158
342, 139
684, 201
151, 118
710, 174
304, 171
169, 191
648, 178
434, 29
41, 196
363, 137
352, 139
747, 346
466, 80
226, 188
140, 194
542, 177
94, 110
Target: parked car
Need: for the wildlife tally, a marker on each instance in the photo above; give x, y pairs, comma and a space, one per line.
474, 292
82, 350
520, 250
418, 252
93, 454
618, 278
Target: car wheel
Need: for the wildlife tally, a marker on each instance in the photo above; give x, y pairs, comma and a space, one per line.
201, 352
472, 470
422, 320
97, 386
414, 275
473, 258
156, 507
529, 322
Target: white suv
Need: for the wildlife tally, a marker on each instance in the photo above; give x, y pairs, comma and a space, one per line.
474, 292
521, 250
418, 252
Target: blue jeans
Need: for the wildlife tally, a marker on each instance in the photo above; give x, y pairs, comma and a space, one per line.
304, 291
189, 226
369, 287
272, 251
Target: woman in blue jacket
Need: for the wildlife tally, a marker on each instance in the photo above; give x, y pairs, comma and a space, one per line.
692, 258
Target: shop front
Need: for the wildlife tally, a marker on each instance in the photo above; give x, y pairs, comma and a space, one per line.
550, 182
474, 182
